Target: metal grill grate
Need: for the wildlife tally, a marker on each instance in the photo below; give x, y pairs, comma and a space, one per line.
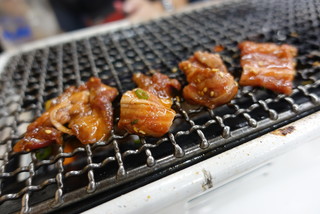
31, 78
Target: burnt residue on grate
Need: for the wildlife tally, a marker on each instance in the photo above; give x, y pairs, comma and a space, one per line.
126, 161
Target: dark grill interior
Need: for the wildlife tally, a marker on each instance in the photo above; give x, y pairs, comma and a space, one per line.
124, 162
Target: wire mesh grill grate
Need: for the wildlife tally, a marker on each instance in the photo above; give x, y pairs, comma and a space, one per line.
31, 78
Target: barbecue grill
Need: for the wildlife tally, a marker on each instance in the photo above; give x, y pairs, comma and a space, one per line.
105, 170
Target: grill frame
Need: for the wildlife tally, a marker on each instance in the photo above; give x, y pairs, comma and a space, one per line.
307, 109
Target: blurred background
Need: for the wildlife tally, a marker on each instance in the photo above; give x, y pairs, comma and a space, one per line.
22, 21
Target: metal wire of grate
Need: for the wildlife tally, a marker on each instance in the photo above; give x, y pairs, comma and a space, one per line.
31, 78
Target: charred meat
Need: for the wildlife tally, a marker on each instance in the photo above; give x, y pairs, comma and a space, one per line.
268, 65
210, 84
85, 112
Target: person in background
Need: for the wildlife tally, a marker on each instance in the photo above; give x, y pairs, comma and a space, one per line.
77, 14
145, 9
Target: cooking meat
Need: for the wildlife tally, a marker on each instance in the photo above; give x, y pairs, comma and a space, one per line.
210, 84
158, 84
147, 110
268, 65
143, 113
96, 125
38, 138
85, 112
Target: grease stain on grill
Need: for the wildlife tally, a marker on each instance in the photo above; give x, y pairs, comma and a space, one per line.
207, 183
284, 131
148, 198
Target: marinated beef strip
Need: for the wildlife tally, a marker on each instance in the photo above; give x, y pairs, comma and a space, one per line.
158, 84
146, 111
145, 114
268, 65
86, 110
210, 84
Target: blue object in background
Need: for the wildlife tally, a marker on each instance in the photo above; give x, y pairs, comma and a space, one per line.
15, 29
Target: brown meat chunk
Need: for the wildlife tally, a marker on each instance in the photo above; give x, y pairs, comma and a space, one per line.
96, 125
146, 110
210, 84
87, 110
268, 65
145, 114
158, 84
38, 138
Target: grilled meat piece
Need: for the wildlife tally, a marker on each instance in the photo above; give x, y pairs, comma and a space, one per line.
268, 65
87, 110
96, 126
158, 84
145, 114
210, 84
38, 138
146, 110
